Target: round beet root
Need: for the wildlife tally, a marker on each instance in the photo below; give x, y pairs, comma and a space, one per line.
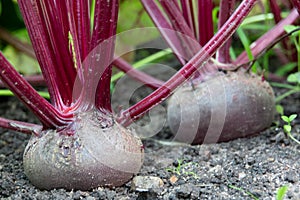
97, 153
223, 108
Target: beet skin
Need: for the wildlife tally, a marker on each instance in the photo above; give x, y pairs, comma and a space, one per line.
99, 153
223, 108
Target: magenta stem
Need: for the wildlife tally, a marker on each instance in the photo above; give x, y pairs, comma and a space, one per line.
226, 9
268, 38
46, 113
205, 21
97, 67
188, 42
225, 32
82, 19
275, 10
165, 28
19, 126
296, 4
188, 14
136, 74
34, 80
16, 43
44, 53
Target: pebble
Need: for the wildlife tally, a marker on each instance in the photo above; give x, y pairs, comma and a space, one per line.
145, 183
173, 179
242, 175
187, 191
291, 177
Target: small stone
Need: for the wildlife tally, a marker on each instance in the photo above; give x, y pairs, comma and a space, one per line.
173, 179
124, 198
145, 183
206, 155
187, 191
242, 175
291, 177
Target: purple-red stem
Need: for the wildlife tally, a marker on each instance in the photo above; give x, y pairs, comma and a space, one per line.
165, 28
46, 113
97, 67
16, 43
19, 126
43, 51
137, 110
205, 21
296, 4
137, 75
188, 42
34, 80
275, 10
38, 80
268, 38
56, 22
226, 9
82, 17
188, 14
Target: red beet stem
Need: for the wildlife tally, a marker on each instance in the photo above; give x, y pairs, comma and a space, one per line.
187, 71
16, 43
226, 9
82, 19
97, 67
48, 115
205, 21
136, 74
19, 126
296, 4
165, 27
48, 42
268, 38
188, 14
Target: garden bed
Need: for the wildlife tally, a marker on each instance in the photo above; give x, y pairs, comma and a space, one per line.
241, 169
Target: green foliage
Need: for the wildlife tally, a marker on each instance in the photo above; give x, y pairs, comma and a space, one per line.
285, 69
215, 13
279, 109
246, 43
72, 48
22, 63
281, 192
287, 127
5, 92
245, 191
293, 86
296, 39
132, 15
141, 63
279, 195
294, 78
183, 168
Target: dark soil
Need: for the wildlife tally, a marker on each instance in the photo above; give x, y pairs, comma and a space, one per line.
245, 168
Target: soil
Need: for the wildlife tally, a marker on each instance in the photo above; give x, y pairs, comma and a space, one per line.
247, 168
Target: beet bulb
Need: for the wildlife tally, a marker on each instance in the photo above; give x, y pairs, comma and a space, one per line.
94, 151
224, 107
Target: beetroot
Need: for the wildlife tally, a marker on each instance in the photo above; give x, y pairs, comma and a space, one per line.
98, 154
225, 107
78, 144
